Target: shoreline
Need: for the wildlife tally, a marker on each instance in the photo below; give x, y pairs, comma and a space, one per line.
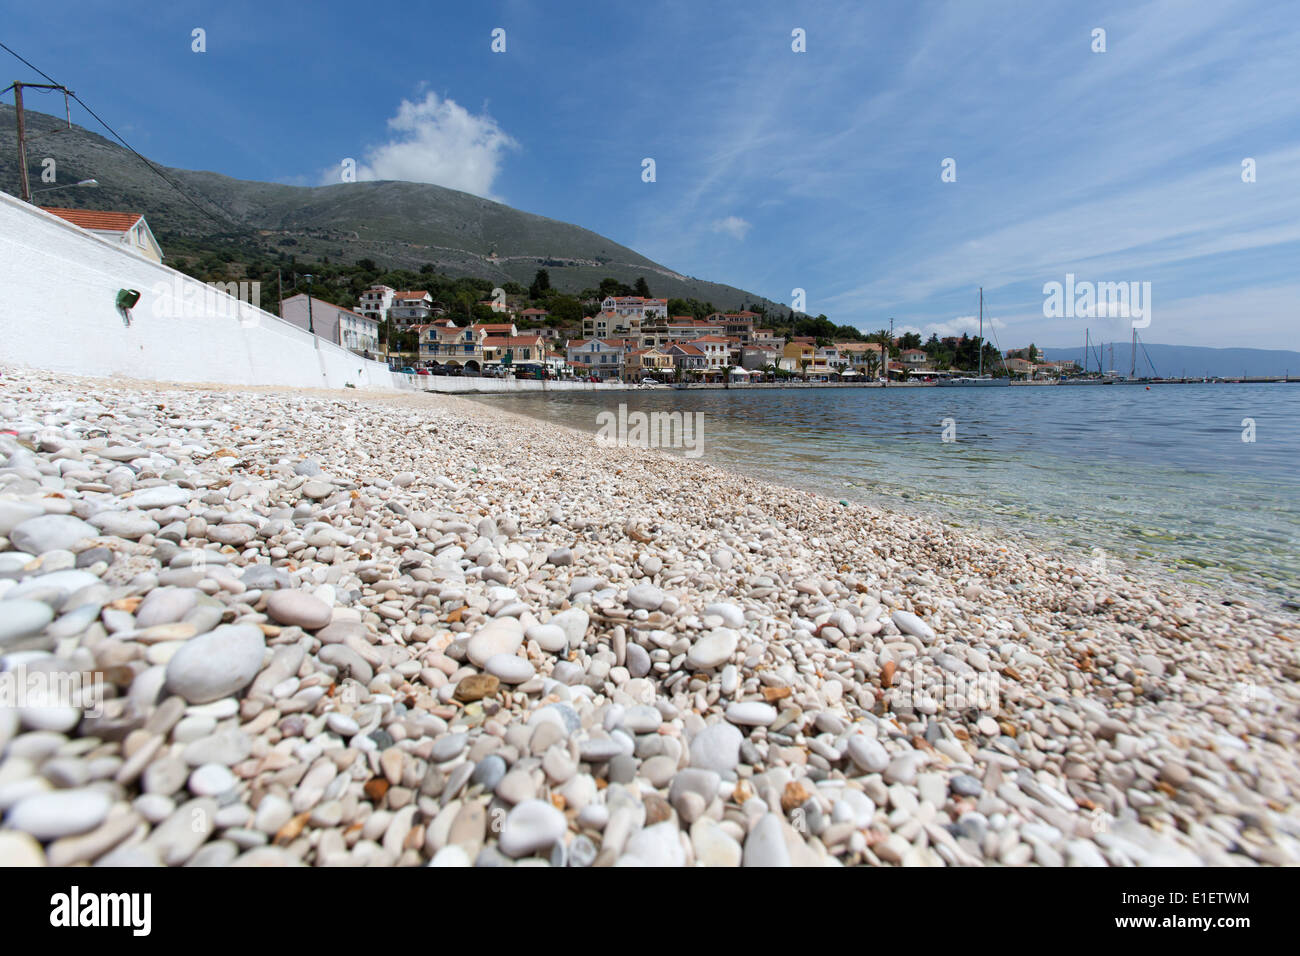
1151, 568
685, 664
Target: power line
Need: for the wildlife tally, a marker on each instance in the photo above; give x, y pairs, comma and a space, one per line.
129, 147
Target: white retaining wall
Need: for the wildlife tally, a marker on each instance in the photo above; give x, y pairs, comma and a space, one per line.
58, 291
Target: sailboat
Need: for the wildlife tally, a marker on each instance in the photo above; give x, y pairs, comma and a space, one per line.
981, 380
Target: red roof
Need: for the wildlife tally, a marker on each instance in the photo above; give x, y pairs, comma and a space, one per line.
95, 219
417, 294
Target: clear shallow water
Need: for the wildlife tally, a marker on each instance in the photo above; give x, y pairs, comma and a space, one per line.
1159, 477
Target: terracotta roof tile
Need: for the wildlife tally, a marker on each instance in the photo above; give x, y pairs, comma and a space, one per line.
97, 219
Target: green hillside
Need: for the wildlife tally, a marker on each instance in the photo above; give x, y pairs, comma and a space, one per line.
398, 225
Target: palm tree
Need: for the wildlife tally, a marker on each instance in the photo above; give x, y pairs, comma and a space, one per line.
870, 362
883, 337
803, 367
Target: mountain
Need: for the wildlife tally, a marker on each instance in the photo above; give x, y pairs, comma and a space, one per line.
397, 224
1176, 361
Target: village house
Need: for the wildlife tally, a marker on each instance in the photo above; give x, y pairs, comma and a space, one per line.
599, 357
548, 332
759, 356
859, 355
533, 316
354, 331
716, 348
915, 360
513, 349
642, 363
738, 324
375, 302
445, 343
687, 357
828, 357
496, 328
680, 328
410, 308
798, 355
123, 228
604, 324
634, 306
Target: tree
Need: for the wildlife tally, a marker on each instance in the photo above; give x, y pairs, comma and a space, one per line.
642, 287
910, 340
565, 308
882, 338
367, 265
541, 282
609, 286
465, 302
872, 363
1033, 352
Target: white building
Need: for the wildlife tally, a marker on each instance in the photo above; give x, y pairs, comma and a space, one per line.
411, 308
376, 301
125, 228
354, 331
634, 306
599, 357
716, 348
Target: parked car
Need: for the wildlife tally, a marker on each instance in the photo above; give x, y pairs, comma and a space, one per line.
406, 370
424, 371
649, 381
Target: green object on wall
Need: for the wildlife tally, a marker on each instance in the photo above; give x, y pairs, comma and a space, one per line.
127, 298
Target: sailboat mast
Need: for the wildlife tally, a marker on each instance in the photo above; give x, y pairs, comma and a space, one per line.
981, 342
1087, 344
1132, 364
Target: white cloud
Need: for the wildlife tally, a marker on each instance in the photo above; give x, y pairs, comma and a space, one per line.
970, 324
732, 225
439, 141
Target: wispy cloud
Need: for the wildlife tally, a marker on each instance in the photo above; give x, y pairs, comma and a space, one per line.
732, 225
438, 141
968, 324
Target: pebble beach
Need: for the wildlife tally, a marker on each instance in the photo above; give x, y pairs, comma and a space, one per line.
384, 629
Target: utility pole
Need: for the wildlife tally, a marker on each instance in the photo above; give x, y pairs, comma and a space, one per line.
22, 127
22, 143
310, 327
884, 350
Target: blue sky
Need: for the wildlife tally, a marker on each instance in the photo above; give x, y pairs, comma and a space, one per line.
775, 170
